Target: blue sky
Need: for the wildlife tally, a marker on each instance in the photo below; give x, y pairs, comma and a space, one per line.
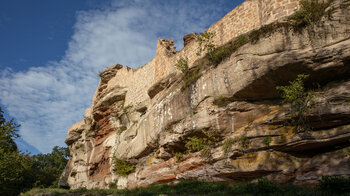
51, 53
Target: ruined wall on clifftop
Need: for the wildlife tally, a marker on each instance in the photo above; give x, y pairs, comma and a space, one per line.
144, 119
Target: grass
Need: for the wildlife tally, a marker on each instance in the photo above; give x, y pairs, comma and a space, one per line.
335, 184
223, 52
328, 186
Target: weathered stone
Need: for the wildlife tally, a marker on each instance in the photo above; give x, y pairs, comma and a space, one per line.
74, 132
146, 116
161, 85
189, 38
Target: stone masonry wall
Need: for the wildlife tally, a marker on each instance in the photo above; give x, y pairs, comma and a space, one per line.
250, 15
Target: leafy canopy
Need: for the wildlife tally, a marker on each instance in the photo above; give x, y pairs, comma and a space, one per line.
20, 171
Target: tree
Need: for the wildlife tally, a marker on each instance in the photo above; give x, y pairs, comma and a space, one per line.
15, 167
299, 100
49, 167
2, 119
15, 172
8, 131
20, 171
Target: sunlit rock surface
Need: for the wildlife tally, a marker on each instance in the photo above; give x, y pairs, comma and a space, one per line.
145, 116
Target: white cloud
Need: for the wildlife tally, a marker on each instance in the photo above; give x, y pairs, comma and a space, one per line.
47, 100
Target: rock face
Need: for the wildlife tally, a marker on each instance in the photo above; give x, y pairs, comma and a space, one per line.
146, 116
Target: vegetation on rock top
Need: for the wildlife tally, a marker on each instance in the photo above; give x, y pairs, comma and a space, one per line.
310, 12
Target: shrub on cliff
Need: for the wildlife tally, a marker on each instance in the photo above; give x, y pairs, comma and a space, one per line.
182, 65
196, 144
121, 167
205, 43
299, 100
311, 11
243, 142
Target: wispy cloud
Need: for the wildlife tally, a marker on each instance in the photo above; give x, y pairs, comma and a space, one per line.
48, 99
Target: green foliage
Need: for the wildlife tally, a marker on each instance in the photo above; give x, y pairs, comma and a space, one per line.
16, 174
196, 144
261, 187
178, 156
192, 76
265, 30
182, 65
243, 142
20, 171
122, 168
100, 74
267, 140
335, 184
121, 129
299, 99
49, 167
295, 91
2, 119
205, 43
311, 11
223, 52
8, 132
221, 101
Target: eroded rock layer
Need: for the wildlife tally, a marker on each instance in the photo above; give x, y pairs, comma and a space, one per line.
146, 116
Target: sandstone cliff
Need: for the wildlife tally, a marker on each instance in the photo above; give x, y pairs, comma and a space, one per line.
144, 118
